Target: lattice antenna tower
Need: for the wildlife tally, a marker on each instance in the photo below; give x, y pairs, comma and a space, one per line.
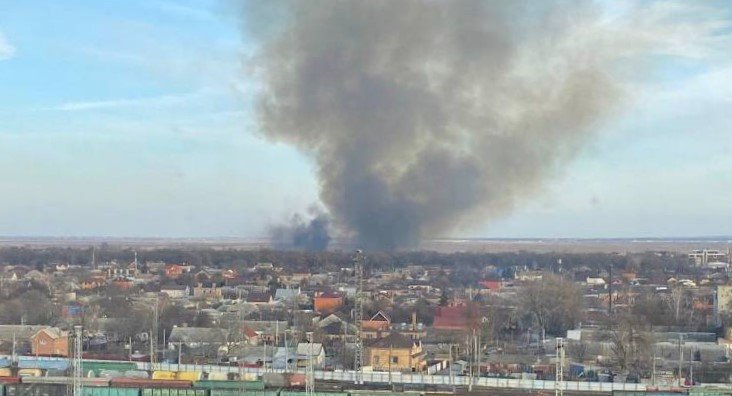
358, 262
559, 375
77, 391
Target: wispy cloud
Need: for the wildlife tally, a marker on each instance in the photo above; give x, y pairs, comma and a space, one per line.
7, 50
153, 101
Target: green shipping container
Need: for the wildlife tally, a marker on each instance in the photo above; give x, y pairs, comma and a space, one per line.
247, 385
173, 392
100, 391
232, 392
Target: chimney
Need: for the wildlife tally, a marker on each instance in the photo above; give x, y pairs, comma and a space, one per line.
414, 321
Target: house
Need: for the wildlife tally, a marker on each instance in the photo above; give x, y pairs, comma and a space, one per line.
208, 290
264, 267
267, 331
491, 286
92, 283
595, 281
50, 341
175, 291
197, 337
36, 276
174, 271
374, 327
396, 353
328, 302
334, 328
455, 317
287, 295
130, 270
123, 283
251, 337
257, 298
308, 350
724, 298
229, 274
414, 330
20, 334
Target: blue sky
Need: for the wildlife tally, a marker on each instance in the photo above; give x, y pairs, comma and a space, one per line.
133, 118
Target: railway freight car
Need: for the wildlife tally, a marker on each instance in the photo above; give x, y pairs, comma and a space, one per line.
149, 383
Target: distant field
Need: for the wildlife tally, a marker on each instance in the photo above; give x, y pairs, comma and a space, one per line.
446, 245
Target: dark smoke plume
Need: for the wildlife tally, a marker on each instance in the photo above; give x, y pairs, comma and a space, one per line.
427, 115
302, 234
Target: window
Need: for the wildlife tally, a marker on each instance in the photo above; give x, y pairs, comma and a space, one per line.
376, 360
394, 359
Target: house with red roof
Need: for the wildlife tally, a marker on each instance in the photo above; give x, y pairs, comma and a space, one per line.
328, 302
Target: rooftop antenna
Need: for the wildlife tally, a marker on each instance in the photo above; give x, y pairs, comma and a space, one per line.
358, 260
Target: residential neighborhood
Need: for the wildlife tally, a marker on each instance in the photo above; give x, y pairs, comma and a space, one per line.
655, 317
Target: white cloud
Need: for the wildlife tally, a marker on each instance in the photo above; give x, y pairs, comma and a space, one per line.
153, 101
7, 51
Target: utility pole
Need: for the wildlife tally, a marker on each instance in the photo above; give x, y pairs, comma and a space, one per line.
310, 374
389, 364
358, 262
653, 373
610, 290
681, 357
287, 354
559, 375
452, 382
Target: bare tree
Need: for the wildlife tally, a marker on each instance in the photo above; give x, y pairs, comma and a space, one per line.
553, 302
630, 343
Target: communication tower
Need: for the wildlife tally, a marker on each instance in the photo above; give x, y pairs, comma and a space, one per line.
559, 375
358, 260
76, 363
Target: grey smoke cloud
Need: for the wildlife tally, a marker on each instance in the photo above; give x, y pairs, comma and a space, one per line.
301, 233
424, 116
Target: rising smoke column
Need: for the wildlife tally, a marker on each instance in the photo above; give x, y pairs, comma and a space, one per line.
423, 116
302, 234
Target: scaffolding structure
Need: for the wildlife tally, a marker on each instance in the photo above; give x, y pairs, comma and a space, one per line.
358, 260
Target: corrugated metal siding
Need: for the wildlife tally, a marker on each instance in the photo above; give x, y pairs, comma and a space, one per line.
173, 392
111, 391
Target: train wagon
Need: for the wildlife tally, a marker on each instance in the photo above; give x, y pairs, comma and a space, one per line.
163, 375
245, 385
219, 376
95, 369
30, 372
236, 392
173, 392
189, 375
36, 390
111, 392
149, 383
65, 381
